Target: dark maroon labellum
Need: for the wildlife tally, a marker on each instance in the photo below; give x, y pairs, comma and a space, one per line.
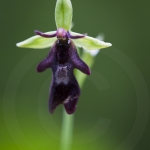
62, 59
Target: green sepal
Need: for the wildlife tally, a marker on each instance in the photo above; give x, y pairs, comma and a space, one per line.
89, 43
38, 42
63, 14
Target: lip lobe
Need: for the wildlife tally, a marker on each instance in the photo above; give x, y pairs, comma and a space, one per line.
62, 59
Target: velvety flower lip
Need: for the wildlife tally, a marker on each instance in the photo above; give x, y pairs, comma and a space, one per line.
62, 59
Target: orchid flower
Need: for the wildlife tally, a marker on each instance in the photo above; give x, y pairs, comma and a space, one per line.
63, 57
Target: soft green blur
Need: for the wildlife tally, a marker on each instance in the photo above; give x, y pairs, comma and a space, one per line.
113, 110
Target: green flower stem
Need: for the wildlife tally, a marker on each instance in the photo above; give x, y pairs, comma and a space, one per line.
68, 120
67, 131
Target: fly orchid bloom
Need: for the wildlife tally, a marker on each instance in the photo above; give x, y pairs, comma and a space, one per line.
63, 57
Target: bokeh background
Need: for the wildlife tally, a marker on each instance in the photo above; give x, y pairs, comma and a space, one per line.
113, 110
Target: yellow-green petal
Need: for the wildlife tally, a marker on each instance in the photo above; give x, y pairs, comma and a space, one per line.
38, 42
89, 43
63, 14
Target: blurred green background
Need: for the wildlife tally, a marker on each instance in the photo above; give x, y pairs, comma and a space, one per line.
113, 110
